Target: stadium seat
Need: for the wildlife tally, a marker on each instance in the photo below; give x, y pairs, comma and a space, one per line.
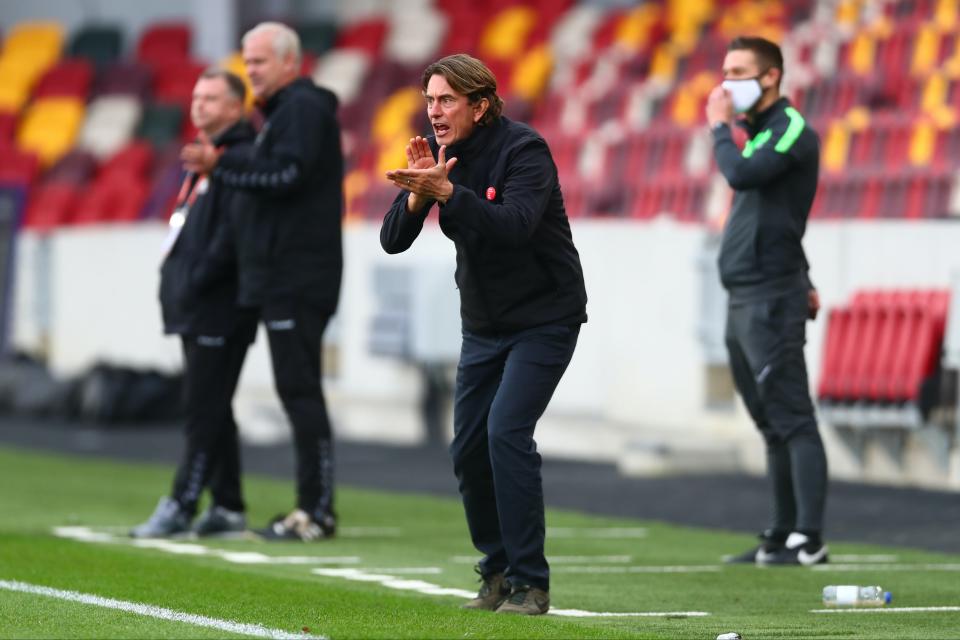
69, 78
164, 43
18, 168
124, 78
76, 168
110, 124
50, 127
100, 44
161, 124
50, 205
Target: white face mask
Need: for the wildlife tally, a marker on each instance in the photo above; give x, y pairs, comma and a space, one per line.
744, 93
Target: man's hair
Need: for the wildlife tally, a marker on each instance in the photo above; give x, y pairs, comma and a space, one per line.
285, 40
767, 53
470, 77
235, 86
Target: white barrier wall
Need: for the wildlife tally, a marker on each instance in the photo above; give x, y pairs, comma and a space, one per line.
639, 367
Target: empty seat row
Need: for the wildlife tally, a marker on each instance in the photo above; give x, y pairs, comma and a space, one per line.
882, 346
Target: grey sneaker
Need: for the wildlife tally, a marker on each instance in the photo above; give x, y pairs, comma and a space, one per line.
526, 601
493, 592
217, 520
167, 519
299, 526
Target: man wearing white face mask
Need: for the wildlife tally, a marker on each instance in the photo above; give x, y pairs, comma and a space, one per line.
765, 271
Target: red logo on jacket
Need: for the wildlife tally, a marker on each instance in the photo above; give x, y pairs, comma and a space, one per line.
491, 193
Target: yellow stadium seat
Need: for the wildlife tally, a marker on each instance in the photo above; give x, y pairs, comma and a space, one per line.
632, 33
35, 36
848, 13
50, 127
945, 15
532, 73
934, 93
858, 118
690, 98
926, 50
922, 142
836, 146
663, 66
355, 184
505, 36
393, 154
234, 64
863, 53
393, 118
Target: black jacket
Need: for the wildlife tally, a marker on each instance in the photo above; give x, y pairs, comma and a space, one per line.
517, 266
775, 180
288, 240
198, 277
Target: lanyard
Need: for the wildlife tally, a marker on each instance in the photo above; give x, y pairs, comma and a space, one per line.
193, 185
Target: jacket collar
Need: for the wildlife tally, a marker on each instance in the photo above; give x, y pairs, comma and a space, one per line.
237, 132
761, 119
477, 142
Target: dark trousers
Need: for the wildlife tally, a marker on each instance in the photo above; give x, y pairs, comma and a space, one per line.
503, 386
212, 456
296, 335
765, 340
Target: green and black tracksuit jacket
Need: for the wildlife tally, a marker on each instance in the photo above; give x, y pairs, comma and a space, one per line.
774, 179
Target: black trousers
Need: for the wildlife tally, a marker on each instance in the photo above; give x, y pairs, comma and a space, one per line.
765, 340
212, 455
295, 332
503, 386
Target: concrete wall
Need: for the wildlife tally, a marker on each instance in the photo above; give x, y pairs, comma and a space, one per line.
639, 371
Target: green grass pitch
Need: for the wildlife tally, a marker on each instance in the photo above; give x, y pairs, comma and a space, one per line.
599, 565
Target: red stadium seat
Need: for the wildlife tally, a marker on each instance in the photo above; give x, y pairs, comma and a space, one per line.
164, 43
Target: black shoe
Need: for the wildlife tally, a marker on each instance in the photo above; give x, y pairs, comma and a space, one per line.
218, 520
493, 592
167, 519
299, 526
770, 542
799, 550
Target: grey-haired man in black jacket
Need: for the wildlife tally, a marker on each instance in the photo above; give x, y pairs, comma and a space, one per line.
289, 249
765, 271
522, 301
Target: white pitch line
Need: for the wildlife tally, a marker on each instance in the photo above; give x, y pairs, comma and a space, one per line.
86, 534
706, 568
255, 630
428, 588
597, 532
559, 559
887, 610
369, 532
886, 567
854, 557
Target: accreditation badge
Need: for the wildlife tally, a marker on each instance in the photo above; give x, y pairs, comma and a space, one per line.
177, 219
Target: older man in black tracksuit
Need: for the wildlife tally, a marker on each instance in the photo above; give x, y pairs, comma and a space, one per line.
198, 290
289, 251
522, 303
764, 269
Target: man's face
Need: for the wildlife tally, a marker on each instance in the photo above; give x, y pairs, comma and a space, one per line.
213, 106
268, 72
452, 116
742, 63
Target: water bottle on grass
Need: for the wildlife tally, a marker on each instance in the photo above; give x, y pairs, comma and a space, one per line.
851, 595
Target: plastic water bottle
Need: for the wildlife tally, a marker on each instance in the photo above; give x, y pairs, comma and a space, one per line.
851, 595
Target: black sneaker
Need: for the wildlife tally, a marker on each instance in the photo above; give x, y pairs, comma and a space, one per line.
168, 519
299, 526
770, 542
219, 520
526, 601
493, 592
799, 550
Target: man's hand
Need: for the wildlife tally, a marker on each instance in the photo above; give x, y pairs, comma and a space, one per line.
719, 107
424, 179
200, 157
813, 304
